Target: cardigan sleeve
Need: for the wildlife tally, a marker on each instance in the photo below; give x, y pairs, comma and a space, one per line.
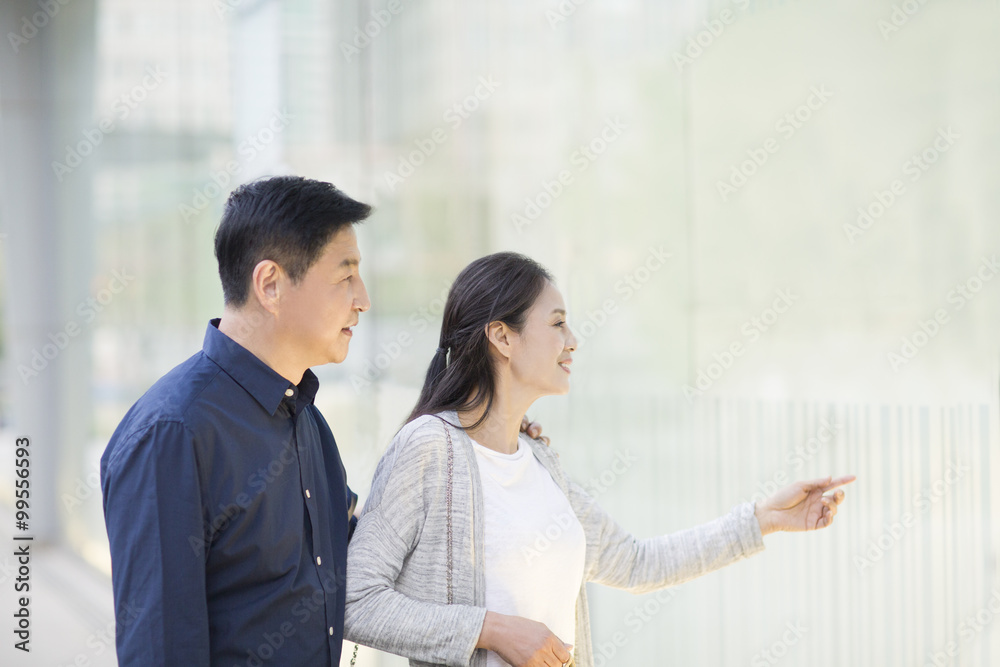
618, 559
377, 614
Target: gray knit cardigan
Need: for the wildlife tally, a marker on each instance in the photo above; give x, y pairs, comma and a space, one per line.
416, 582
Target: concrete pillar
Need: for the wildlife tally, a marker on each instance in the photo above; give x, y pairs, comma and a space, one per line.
46, 104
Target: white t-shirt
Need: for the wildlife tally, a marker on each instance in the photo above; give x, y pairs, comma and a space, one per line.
535, 545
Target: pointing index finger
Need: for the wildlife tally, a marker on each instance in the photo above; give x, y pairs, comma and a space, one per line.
839, 481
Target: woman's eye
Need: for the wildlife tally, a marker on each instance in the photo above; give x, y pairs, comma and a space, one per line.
560, 323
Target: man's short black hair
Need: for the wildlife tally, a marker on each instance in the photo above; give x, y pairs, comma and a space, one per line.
287, 219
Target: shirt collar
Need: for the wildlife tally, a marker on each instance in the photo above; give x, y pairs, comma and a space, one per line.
258, 379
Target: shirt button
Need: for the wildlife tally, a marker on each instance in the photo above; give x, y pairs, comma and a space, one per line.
319, 561
289, 392
331, 631
308, 495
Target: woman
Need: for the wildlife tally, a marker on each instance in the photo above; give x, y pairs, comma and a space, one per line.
445, 566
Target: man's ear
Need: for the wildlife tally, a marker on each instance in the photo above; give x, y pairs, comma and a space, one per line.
498, 334
266, 284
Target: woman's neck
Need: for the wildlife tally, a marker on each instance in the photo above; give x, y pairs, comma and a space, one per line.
500, 430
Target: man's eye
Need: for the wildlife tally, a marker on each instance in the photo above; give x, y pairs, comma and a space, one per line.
560, 323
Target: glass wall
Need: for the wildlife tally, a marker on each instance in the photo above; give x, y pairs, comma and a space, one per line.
774, 224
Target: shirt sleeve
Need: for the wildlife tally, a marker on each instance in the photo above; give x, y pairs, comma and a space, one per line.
153, 511
617, 558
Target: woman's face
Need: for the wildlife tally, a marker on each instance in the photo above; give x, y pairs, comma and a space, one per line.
540, 353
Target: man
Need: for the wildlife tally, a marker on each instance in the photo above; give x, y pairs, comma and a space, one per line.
225, 497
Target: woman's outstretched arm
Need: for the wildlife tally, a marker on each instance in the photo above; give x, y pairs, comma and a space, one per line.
616, 558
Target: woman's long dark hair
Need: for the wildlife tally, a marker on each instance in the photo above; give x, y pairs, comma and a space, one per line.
500, 287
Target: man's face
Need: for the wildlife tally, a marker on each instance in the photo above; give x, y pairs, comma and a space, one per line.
318, 312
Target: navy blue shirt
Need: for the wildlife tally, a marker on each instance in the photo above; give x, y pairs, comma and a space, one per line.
227, 510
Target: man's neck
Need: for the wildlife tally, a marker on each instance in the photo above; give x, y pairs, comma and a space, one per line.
255, 332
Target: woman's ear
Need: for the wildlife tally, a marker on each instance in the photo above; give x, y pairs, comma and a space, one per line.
498, 334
